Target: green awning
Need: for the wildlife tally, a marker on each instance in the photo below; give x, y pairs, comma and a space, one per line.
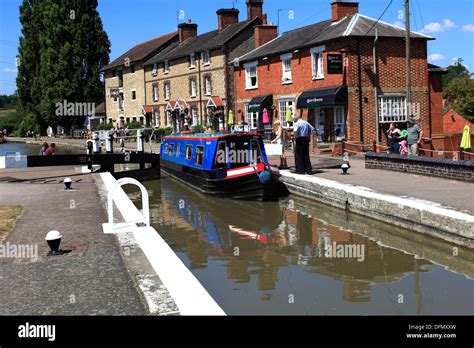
260, 102
322, 97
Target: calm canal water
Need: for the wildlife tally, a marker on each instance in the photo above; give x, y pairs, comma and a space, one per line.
291, 268
29, 149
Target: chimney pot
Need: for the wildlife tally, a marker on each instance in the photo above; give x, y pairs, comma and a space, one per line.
226, 17
254, 9
264, 34
187, 30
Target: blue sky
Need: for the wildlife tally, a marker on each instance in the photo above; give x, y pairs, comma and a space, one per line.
129, 22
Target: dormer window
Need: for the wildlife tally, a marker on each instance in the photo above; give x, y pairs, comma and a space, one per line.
166, 67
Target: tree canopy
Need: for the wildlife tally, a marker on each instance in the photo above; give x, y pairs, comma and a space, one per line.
62, 49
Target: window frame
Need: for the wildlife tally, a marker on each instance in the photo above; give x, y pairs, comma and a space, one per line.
249, 117
282, 113
186, 152
385, 118
166, 67
197, 155
208, 83
133, 91
192, 57
154, 69
285, 79
207, 61
171, 147
248, 78
192, 82
317, 62
155, 92
167, 90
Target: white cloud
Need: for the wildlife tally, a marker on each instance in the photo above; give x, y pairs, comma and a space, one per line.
468, 27
436, 57
399, 24
436, 27
10, 70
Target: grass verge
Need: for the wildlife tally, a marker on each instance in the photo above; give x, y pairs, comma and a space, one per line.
9, 214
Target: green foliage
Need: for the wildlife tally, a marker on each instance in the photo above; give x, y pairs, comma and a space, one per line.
457, 69
62, 49
134, 125
11, 121
460, 96
104, 126
28, 123
8, 101
164, 131
198, 128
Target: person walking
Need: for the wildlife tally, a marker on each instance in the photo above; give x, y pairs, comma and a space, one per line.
280, 139
414, 136
302, 131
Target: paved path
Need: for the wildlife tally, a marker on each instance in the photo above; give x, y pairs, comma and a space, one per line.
91, 279
450, 193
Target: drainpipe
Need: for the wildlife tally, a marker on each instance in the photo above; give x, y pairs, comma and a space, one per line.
376, 85
200, 87
359, 73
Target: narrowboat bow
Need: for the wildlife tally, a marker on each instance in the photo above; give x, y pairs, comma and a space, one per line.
232, 165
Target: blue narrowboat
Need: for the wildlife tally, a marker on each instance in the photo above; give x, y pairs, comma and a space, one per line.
232, 165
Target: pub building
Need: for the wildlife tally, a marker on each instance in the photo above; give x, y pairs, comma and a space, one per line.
345, 75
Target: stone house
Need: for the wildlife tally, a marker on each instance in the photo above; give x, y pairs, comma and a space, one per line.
191, 81
123, 79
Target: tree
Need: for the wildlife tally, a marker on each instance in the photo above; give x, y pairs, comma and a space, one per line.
457, 69
460, 96
61, 52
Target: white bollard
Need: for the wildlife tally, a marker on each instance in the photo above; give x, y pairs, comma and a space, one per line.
96, 143
140, 140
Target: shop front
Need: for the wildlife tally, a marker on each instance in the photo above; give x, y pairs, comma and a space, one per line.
326, 111
259, 114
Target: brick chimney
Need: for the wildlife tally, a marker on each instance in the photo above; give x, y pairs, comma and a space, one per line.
187, 30
343, 8
226, 17
264, 33
254, 9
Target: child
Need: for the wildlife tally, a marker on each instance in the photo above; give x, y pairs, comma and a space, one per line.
403, 148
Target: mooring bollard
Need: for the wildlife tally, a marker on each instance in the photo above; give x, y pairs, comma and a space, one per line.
140, 140
109, 141
96, 143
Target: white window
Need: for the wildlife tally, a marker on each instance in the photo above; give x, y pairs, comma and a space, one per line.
207, 85
251, 118
194, 114
166, 68
167, 91
251, 78
206, 58
193, 88
134, 94
192, 61
156, 95
156, 116
392, 109
169, 118
286, 68
154, 70
317, 62
286, 104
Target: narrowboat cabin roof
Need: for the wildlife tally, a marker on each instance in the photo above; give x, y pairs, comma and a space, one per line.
209, 136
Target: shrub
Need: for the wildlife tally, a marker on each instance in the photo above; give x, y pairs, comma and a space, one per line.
198, 128
28, 123
104, 126
134, 125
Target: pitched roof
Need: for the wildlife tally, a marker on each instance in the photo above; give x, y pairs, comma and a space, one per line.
355, 25
438, 69
142, 50
453, 123
206, 41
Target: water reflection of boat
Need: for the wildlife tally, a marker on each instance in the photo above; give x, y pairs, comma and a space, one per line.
232, 165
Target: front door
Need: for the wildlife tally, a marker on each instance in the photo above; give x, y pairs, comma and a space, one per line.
339, 123
320, 124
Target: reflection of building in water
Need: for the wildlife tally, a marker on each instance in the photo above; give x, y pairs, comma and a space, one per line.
237, 268
355, 291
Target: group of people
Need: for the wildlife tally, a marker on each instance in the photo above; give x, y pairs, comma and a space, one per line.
302, 131
47, 150
407, 141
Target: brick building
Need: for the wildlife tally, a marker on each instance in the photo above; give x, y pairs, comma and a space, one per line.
124, 87
345, 75
191, 81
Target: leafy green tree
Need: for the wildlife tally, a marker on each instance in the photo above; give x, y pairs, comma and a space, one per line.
61, 52
460, 96
457, 69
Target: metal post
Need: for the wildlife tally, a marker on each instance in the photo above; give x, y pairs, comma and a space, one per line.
96, 143
408, 53
109, 141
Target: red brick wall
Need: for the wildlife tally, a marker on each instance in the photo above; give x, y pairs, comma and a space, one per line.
436, 108
391, 70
